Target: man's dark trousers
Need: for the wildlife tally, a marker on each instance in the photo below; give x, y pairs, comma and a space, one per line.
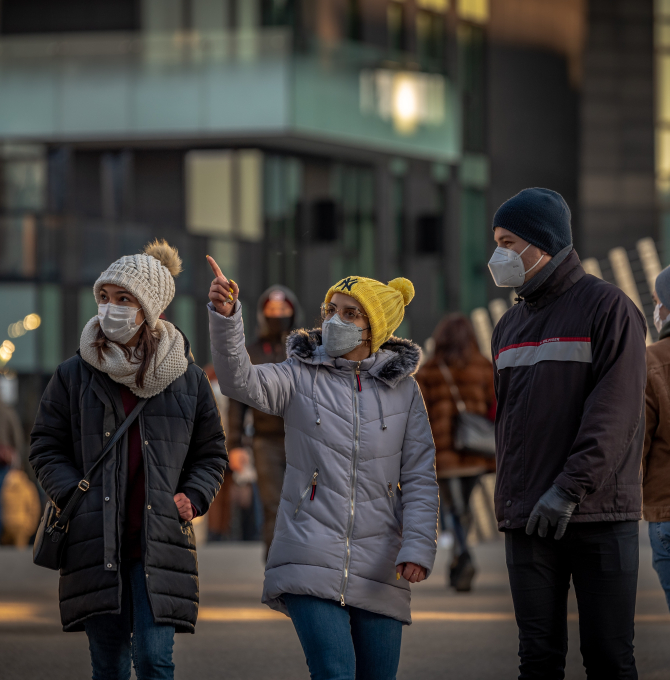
602, 558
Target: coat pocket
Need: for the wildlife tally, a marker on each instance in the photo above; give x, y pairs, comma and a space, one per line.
311, 487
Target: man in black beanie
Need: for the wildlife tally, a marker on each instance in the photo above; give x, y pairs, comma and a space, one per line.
569, 378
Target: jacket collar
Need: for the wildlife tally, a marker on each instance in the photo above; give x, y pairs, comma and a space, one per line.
395, 360
566, 275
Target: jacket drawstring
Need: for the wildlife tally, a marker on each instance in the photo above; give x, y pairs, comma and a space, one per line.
379, 401
316, 406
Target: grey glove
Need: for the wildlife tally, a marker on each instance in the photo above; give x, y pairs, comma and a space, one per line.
555, 507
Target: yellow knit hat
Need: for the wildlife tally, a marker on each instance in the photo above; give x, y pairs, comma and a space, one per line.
384, 304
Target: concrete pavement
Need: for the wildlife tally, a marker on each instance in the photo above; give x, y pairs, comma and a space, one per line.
465, 636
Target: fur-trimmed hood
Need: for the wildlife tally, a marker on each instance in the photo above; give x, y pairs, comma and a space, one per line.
395, 360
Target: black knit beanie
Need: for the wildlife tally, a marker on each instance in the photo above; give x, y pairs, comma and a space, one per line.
539, 216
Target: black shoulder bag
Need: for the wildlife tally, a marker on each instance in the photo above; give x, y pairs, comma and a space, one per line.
473, 434
54, 525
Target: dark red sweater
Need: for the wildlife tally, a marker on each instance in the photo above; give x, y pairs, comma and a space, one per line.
131, 542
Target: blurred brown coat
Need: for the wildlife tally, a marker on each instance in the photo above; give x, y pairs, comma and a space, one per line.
475, 383
656, 455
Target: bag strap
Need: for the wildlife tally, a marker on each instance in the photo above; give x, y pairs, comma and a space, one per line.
449, 379
85, 484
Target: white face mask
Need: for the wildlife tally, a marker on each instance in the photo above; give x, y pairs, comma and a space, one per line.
506, 267
658, 322
118, 322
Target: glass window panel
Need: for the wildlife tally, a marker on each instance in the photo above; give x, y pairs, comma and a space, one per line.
663, 8
663, 88
17, 246
663, 152
226, 254
474, 250
250, 222
23, 183
88, 307
434, 5
662, 37
395, 22
209, 193
50, 331
17, 300
474, 10
182, 313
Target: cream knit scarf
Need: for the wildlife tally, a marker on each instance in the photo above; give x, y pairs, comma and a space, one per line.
167, 365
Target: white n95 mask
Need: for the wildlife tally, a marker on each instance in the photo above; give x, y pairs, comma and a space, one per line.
506, 267
658, 322
118, 322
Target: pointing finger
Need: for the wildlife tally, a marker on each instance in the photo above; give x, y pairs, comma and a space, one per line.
215, 268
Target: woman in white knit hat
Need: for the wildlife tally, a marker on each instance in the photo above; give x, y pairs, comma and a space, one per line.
129, 567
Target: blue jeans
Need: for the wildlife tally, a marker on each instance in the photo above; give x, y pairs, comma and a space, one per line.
345, 643
659, 533
114, 638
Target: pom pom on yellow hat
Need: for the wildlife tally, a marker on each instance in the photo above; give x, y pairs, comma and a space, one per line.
384, 304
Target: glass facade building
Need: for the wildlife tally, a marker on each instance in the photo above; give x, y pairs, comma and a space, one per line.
296, 142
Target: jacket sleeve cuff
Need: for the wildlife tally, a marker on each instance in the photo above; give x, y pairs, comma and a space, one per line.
570, 487
198, 501
236, 311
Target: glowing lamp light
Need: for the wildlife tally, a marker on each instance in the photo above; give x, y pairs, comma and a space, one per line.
8, 346
31, 322
5, 354
405, 104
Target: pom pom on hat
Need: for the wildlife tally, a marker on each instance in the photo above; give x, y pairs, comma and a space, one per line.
149, 276
166, 254
384, 304
404, 287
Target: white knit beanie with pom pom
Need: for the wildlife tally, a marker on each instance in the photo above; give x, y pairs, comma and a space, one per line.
149, 276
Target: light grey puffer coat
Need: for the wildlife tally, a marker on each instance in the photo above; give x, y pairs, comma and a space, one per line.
360, 494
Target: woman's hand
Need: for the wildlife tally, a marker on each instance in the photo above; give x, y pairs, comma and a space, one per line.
411, 572
184, 506
222, 293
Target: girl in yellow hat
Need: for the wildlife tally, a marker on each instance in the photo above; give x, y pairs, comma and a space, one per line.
357, 521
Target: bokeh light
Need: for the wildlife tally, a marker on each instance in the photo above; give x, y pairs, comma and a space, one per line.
31, 322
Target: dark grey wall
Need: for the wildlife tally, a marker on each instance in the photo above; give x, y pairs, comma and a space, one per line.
533, 125
617, 111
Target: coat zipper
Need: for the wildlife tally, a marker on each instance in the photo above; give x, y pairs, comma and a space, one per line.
303, 495
354, 473
146, 514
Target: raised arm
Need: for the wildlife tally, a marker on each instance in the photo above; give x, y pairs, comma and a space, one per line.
267, 387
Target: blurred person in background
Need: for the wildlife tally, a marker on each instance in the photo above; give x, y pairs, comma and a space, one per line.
277, 313
19, 498
456, 349
359, 503
129, 572
570, 382
656, 456
220, 512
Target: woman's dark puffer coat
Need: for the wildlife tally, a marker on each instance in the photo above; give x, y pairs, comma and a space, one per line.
183, 446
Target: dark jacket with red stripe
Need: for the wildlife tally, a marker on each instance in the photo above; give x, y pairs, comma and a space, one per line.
570, 375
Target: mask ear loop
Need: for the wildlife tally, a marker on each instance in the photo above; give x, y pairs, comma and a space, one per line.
535, 265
